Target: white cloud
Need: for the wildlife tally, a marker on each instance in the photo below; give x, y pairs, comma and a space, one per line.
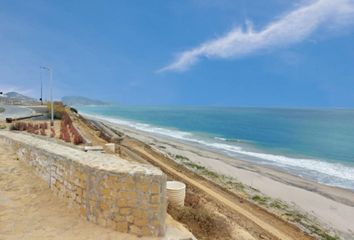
289, 29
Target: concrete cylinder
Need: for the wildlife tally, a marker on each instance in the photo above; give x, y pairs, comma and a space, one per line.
176, 193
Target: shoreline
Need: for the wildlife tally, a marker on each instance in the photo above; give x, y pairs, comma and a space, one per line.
332, 206
319, 170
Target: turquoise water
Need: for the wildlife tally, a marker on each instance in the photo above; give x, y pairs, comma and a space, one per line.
317, 144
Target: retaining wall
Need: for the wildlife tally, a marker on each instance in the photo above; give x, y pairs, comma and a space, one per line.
109, 191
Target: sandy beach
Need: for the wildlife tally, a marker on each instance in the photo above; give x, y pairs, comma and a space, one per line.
333, 207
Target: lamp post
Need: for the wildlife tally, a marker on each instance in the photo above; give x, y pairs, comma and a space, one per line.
51, 93
40, 76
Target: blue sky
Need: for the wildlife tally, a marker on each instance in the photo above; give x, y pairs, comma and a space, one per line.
275, 53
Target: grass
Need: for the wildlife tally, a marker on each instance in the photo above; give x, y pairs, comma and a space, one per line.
231, 184
278, 205
305, 221
322, 234
180, 157
260, 199
209, 173
195, 166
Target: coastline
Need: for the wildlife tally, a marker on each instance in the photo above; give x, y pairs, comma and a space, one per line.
317, 154
331, 206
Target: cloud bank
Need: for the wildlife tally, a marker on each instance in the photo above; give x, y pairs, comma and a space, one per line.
291, 28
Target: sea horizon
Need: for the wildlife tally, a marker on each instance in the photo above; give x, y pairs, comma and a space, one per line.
311, 143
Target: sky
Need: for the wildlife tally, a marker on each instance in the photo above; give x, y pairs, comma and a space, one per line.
274, 53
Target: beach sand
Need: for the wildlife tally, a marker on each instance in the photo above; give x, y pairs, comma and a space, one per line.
333, 207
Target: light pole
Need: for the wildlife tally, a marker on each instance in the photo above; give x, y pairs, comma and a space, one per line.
40, 76
51, 93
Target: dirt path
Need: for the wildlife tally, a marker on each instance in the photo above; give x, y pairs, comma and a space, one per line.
264, 225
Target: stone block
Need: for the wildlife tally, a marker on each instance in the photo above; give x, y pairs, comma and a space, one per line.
125, 211
155, 188
122, 227
135, 230
155, 199
140, 222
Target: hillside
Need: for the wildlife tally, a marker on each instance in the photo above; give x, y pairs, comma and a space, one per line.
17, 99
18, 96
78, 100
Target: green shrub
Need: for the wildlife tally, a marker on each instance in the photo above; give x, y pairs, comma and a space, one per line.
59, 110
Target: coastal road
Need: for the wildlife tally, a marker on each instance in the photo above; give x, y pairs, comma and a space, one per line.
11, 111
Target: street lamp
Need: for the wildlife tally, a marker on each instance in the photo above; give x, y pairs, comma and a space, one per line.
51, 93
40, 76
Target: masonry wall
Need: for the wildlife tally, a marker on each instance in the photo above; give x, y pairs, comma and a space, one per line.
109, 191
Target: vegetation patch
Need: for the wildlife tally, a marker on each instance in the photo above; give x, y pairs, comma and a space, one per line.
74, 110
58, 109
194, 165
180, 157
234, 185
309, 225
225, 181
276, 206
260, 199
201, 222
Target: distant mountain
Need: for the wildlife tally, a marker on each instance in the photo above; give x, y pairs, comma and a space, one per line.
77, 100
19, 97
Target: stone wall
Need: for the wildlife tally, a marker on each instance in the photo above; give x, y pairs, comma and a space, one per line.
109, 191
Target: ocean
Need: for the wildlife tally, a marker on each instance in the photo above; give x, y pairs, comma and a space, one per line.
316, 144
